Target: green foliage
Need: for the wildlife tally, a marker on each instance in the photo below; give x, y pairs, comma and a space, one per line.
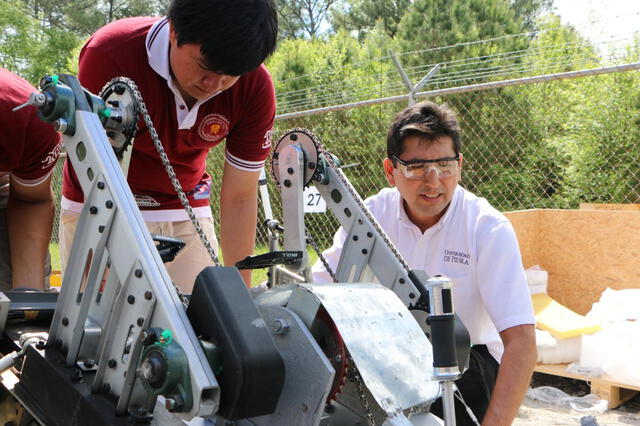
364, 15
30, 48
302, 19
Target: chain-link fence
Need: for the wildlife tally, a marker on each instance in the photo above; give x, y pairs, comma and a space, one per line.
553, 144
566, 139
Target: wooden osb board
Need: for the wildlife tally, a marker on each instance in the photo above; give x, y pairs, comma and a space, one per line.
626, 207
584, 251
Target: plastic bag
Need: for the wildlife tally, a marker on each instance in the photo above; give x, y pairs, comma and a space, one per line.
557, 351
615, 350
537, 279
616, 305
583, 404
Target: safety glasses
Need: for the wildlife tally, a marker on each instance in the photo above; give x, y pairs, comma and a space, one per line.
419, 169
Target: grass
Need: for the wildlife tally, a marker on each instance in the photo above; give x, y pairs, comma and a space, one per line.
258, 275
55, 256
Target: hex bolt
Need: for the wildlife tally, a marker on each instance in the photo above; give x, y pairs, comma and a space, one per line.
140, 322
355, 238
412, 296
287, 183
280, 326
370, 234
101, 185
365, 251
290, 170
89, 363
112, 363
401, 280
311, 165
148, 295
101, 229
293, 137
337, 358
108, 204
41, 345
93, 210
131, 299
119, 89
106, 387
65, 321
138, 273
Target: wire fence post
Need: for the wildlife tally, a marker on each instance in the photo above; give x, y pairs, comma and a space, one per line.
407, 81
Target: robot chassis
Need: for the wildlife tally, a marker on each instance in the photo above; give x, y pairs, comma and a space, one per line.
121, 345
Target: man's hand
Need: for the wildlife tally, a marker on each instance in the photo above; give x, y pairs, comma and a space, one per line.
29, 222
238, 216
514, 375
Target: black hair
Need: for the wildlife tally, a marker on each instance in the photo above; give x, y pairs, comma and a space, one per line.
427, 120
236, 36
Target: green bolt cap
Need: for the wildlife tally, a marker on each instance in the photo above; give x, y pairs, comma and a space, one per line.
54, 79
166, 337
106, 113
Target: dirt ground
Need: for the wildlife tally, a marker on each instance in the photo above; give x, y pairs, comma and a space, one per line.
539, 413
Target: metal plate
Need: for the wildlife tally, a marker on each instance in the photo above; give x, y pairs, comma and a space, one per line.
390, 350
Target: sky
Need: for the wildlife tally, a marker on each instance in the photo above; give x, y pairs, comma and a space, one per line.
601, 19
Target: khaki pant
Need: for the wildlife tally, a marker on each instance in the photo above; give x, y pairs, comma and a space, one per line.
186, 266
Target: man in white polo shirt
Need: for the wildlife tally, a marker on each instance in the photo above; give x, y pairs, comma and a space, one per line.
200, 73
441, 228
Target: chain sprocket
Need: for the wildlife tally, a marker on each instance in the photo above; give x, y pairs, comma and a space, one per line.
326, 333
122, 122
308, 141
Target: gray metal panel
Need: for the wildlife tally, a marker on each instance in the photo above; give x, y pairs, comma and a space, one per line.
308, 373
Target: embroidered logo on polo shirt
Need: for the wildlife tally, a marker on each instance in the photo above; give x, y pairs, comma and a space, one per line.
267, 139
452, 256
213, 127
51, 157
202, 191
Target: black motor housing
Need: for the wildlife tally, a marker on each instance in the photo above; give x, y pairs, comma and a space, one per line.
222, 311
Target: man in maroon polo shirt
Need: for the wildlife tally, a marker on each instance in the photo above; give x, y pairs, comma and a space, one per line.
200, 73
29, 149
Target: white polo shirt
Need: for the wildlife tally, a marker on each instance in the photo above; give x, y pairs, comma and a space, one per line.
474, 245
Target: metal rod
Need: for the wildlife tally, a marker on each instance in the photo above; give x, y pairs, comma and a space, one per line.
448, 404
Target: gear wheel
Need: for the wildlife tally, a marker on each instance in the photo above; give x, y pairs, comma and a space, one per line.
328, 338
311, 147
122, 122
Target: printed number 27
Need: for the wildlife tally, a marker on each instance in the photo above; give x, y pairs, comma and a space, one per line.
313, 199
